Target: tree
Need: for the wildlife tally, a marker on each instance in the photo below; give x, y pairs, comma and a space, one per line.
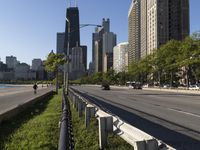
110, 76
97, 78
188, 56
52, 64
167, 55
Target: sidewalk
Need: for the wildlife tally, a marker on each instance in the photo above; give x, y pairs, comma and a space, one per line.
174, 90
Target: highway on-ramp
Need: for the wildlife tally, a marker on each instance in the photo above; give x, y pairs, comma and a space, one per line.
12, 97
171, 117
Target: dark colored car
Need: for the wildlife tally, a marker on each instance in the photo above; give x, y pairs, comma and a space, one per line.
105, 86
136, 86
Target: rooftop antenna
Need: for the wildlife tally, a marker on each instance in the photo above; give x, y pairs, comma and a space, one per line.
68, 3
75, 3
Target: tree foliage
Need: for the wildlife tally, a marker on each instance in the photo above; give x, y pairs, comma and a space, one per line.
54, 61
167, 65
52, 65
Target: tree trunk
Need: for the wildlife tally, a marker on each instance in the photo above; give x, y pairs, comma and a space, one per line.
159, 78
187, 77
56, 81
171, 79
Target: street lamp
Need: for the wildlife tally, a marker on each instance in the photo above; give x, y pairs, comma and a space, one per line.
66, 65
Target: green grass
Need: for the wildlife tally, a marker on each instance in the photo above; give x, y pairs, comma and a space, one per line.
87, 139
35, 128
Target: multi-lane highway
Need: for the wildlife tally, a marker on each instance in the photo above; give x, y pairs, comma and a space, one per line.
13, 97
171, 117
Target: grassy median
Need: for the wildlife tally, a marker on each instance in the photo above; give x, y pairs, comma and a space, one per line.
35, 128
87, 139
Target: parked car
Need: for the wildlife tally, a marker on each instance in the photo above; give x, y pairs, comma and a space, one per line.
194, 87
166, 86
135, 85
145, 86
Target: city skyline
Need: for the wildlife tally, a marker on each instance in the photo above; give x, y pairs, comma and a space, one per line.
28, 29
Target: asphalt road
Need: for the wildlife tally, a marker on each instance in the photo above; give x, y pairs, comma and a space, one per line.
171, 117
12, 97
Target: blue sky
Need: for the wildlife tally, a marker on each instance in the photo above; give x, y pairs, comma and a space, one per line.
28, 27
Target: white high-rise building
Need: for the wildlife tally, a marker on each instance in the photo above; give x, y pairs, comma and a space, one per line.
120, 57
36, 64
11, 62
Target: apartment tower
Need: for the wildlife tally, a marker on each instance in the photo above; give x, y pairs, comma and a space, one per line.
166, 20
134, 31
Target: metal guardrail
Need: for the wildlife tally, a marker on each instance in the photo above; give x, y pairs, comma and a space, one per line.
66, 141
110, 123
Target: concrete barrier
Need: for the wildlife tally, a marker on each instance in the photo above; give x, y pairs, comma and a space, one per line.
21, 107
135, 137
105, 126
89, 113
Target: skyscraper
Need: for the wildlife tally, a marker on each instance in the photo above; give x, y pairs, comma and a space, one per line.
143, 31
166, 20
153, 23
103, 42
84, 53
120, 57
109, 41
60, 42
134, 31
179, 23
72, 21
77, 68
98, 56
95, 37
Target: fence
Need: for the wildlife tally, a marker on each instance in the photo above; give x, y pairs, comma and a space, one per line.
66, 141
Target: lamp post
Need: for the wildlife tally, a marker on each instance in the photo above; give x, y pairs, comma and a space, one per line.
66, 65
67, 57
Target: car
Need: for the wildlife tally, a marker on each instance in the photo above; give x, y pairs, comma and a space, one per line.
145, 86
105, 86
135, 85
194, 87
165, 86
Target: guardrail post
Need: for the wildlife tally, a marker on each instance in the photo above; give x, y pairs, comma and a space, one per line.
102, 133
152, 144
73, 101
80, 108
105, 126
76, 102
89, 112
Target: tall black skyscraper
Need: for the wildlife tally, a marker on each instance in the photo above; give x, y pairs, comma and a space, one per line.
73, 18
84, 50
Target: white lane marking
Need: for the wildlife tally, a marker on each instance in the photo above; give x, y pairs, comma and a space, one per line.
184, 112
